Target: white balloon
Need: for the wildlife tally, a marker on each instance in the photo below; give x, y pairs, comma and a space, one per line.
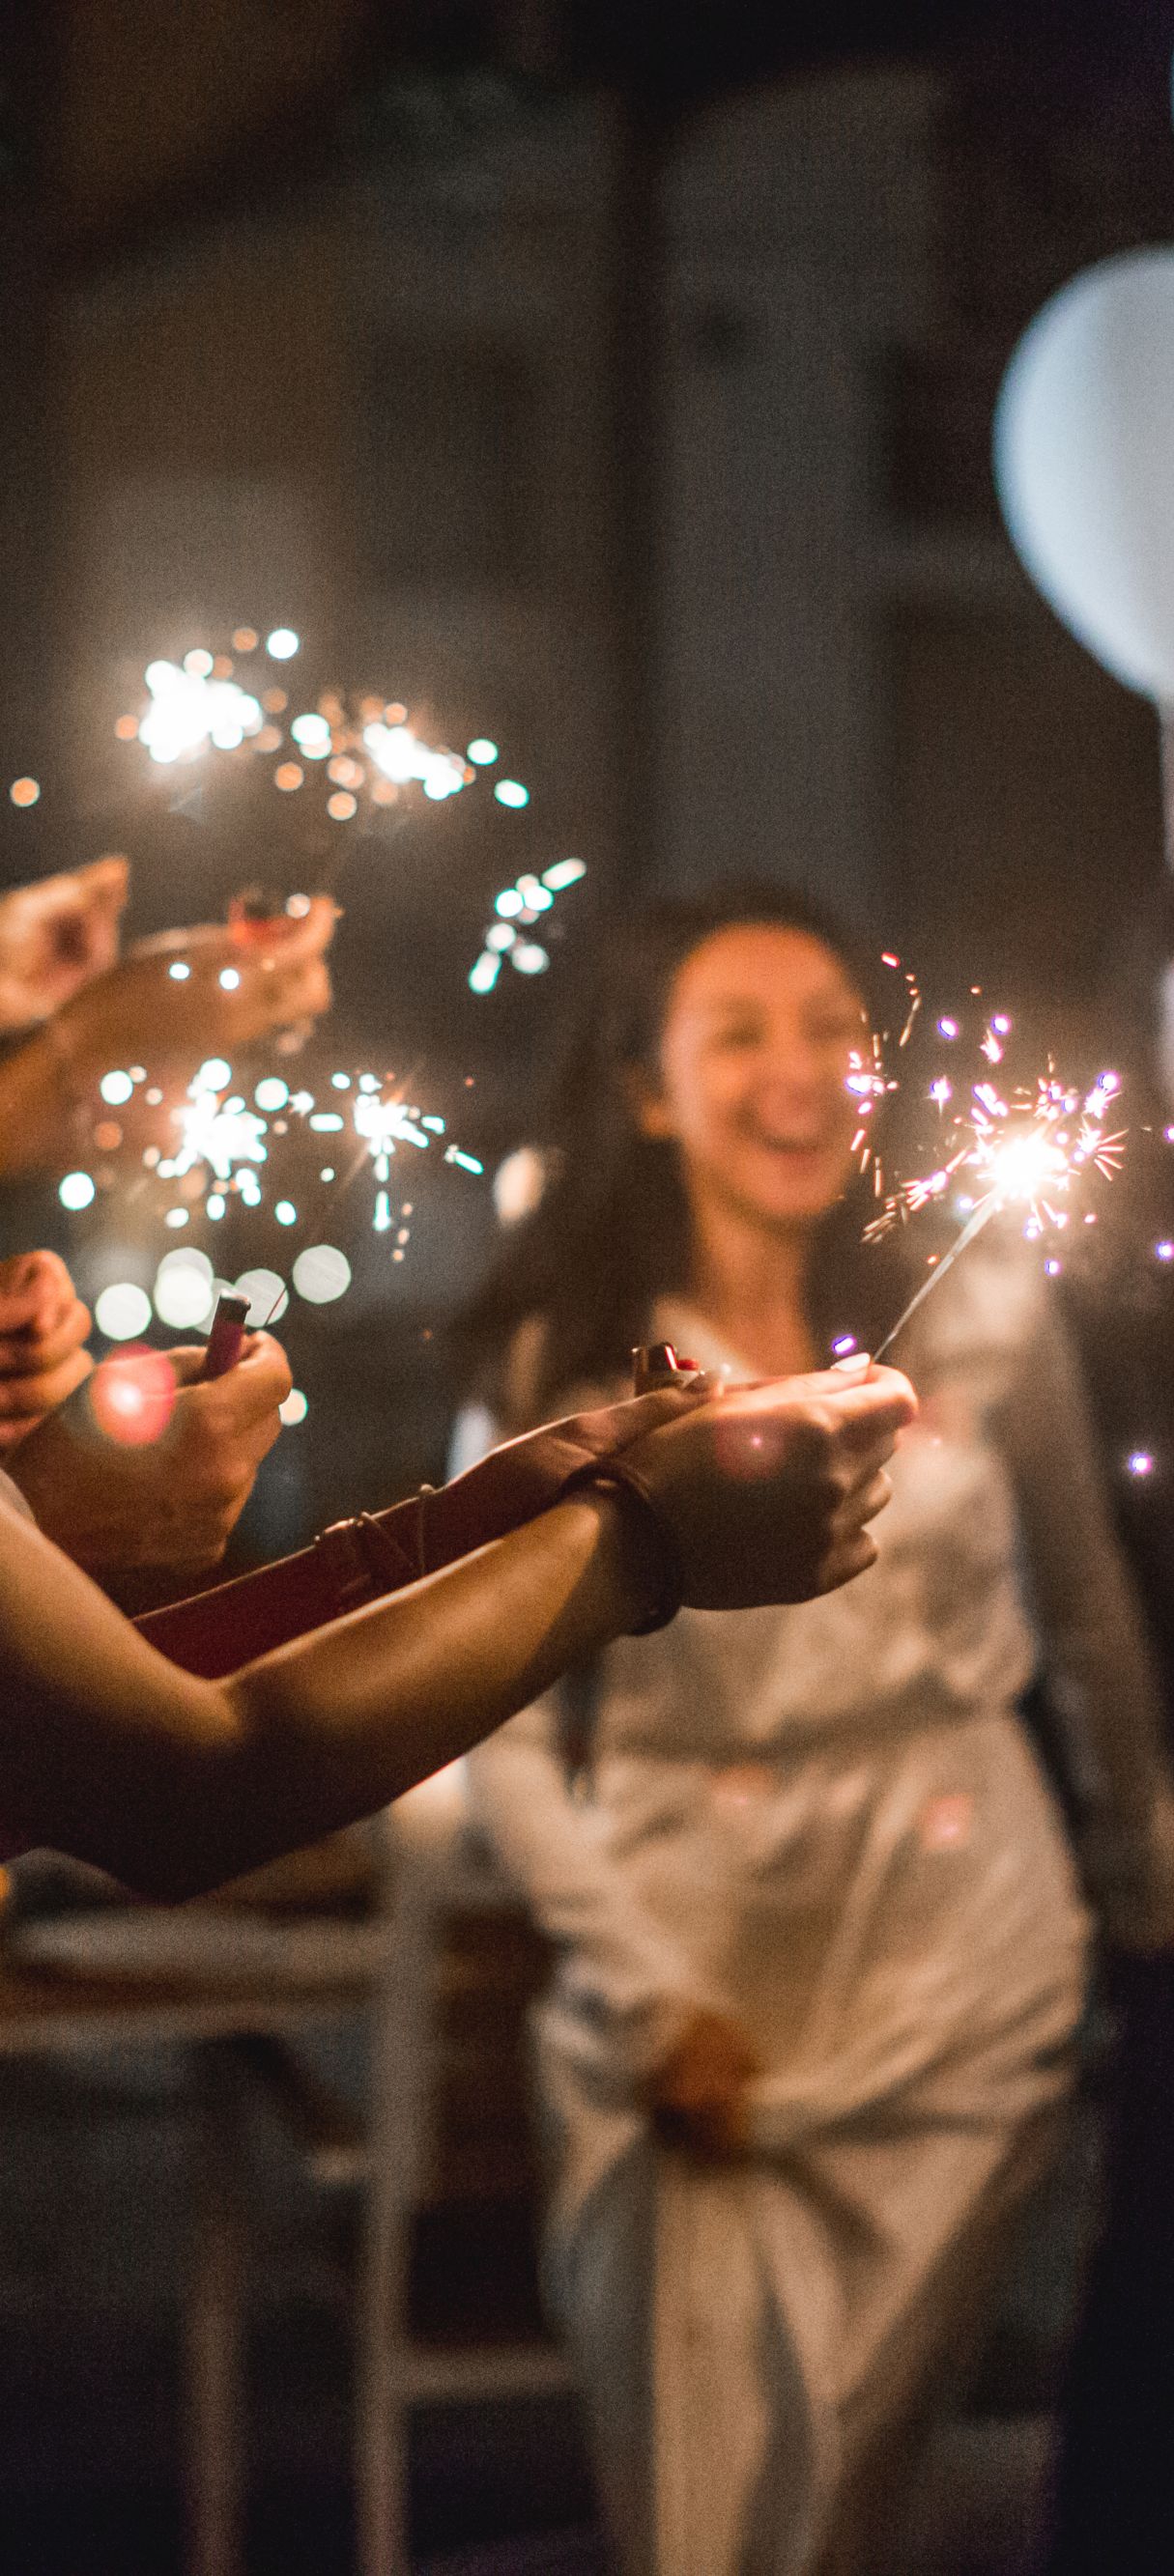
1084, 462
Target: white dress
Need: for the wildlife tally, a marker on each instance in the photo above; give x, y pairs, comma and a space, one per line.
827, 1824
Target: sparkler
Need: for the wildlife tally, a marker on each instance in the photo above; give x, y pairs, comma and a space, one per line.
1031, 1148
345, 760
227, 1150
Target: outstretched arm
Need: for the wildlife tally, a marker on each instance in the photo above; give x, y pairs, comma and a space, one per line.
109, 1752
173, 1783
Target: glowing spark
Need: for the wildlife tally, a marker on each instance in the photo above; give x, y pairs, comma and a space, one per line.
1025, 1153
400, 756
215, 1133
523, 903
188, 709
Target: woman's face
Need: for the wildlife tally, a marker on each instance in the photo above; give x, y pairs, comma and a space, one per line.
755, 1055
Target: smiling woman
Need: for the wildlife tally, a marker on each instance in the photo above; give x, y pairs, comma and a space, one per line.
819, 1942
710, 1068
761, 1029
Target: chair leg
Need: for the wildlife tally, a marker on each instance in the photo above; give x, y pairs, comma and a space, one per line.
213, 2326
399, 2089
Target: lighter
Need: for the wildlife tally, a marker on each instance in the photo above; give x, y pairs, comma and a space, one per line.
228, 1332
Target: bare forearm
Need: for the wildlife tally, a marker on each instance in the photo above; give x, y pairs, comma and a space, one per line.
175, 1785
365, 1709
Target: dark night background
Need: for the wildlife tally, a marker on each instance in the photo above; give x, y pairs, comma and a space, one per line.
615, 381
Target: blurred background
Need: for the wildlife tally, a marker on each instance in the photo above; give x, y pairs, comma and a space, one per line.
616, 384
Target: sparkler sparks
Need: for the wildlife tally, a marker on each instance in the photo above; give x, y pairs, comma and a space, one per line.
1028, 1147
365, 747
517, 911
228, 1151
1024, 1150
343, 760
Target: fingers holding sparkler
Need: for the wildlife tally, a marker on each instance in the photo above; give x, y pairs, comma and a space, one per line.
800, 1465
190, 992
201, 991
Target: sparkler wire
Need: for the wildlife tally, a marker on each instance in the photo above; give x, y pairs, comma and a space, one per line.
973, 1226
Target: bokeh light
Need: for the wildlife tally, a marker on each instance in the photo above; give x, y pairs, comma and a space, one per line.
321, 1273
518, 1184
132, 1396
123, 1311
267, 1294
183, 1290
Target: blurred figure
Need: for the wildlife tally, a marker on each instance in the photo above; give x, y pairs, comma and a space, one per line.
820, 1945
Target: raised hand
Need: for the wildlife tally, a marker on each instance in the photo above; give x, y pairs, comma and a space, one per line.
56, 936
234, 991
43, 1328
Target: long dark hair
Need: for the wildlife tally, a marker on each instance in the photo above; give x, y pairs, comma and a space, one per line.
611, 1232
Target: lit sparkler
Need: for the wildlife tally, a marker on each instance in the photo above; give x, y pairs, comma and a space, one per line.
228, 1150
1032, 1149
343, 760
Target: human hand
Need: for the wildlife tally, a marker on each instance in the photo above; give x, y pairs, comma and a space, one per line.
56, 936
697, 2095
763, 1492
43, 1327
172, 1501
235, 990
